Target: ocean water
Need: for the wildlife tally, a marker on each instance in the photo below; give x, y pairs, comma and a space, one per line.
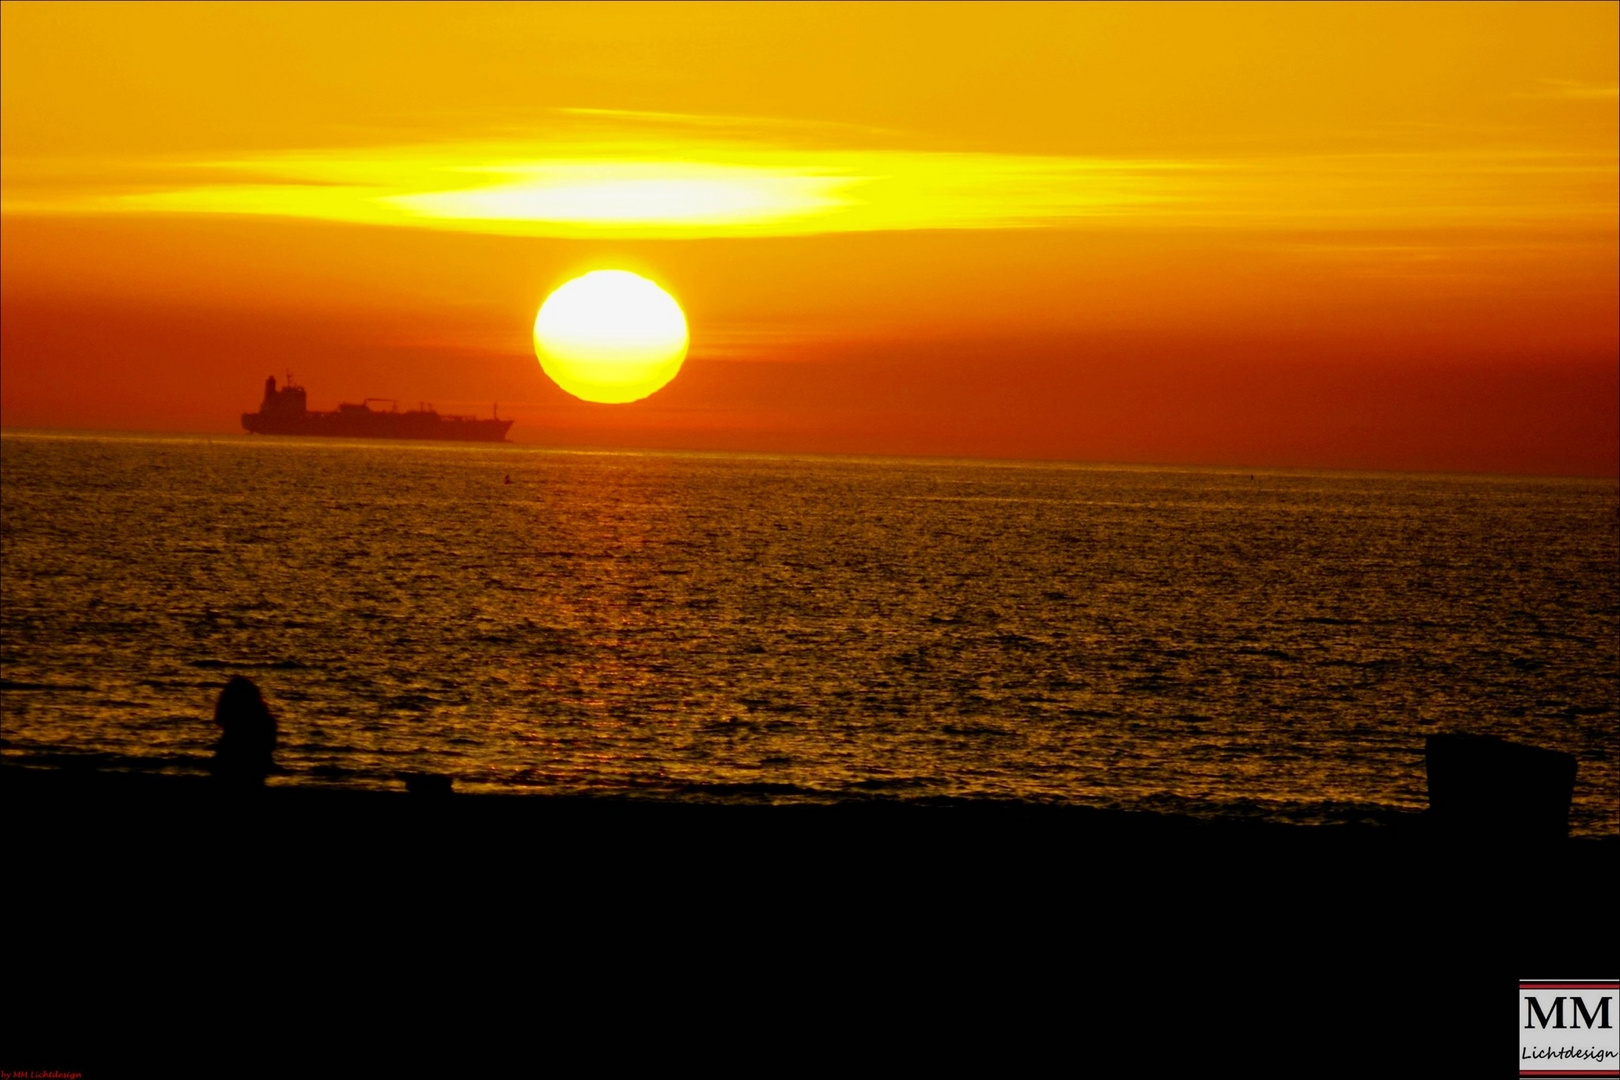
760, 628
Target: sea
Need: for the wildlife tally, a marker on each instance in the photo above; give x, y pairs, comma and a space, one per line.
1216, 642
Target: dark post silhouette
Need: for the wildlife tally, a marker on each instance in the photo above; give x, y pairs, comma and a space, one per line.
430, 784
247, 742
1487, 787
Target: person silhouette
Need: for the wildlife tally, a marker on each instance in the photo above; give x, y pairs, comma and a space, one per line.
247, 741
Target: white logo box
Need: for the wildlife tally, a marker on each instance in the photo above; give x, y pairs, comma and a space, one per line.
1569, 1027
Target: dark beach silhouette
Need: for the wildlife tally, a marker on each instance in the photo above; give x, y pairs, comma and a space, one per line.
247, 742
1065, 884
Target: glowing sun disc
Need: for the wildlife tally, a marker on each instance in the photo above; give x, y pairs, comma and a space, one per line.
610, 336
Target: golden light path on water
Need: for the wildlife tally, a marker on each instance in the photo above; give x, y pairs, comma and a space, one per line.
771, 628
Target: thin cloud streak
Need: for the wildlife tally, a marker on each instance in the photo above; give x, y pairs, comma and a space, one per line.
674, 189
659, 176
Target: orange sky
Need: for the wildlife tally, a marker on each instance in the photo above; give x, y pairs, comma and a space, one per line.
1364, 236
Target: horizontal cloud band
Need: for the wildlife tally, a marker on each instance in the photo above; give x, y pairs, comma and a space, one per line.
685, 187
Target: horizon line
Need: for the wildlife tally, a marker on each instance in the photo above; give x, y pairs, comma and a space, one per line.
135, 434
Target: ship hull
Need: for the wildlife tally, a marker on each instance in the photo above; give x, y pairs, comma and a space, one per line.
379, 425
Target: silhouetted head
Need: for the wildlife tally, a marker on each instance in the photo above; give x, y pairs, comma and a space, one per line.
240, 698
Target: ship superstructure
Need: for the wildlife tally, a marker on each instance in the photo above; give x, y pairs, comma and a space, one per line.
285, 411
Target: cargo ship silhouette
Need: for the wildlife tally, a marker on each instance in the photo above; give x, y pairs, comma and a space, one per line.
285, 412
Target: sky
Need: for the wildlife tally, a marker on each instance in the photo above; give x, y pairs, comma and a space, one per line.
1361, 236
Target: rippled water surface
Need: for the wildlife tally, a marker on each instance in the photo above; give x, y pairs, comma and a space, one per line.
697, 626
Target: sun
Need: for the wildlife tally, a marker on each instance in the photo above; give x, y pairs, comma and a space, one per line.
610, 336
